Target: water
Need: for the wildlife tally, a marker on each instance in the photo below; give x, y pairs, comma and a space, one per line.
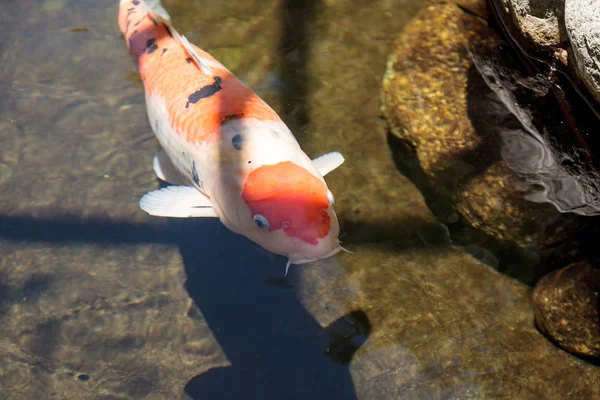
562, 178
100, 301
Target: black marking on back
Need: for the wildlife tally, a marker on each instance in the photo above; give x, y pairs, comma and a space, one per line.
204, 92
164, 51
137, 23
153, 20
136, 2
237, 141
151, 46
133, 34
195, 176
188, 60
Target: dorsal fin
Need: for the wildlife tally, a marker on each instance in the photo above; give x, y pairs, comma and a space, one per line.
188, 47
163, 16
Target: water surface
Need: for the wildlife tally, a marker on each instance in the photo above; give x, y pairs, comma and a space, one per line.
99, 300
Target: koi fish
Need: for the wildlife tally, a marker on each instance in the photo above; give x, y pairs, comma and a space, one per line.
224, 151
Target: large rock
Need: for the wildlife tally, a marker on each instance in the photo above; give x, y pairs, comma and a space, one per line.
538, 23
435, 101
476, 7
569, 30
582, 20
470, 129
424, 90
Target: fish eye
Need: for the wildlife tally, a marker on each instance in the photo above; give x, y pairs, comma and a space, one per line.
330, 197
261, 222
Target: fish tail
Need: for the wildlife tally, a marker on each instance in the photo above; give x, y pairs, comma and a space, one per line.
150, 14
137, 21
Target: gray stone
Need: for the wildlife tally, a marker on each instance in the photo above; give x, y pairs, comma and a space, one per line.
582, 21
538, 21
556, 25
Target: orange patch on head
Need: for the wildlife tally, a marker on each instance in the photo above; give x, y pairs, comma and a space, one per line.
290, 198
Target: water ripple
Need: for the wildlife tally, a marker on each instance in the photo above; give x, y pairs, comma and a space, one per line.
552, 176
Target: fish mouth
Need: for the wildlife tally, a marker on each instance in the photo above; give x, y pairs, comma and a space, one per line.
309, 260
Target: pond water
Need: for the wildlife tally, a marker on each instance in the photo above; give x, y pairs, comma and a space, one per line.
100, 301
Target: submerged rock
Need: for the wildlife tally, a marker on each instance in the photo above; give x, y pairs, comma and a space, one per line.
476, 7
492, 146
567, 308
438, 106
424, 86
488, 202
487, 138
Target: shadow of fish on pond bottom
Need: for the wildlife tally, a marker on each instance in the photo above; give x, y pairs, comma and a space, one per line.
275, 347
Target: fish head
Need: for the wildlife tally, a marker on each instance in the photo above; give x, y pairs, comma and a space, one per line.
289, 211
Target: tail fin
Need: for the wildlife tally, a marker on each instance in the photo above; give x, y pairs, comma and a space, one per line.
160, 15
159, 11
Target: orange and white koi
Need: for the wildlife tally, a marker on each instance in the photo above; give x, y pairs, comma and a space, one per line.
224, 150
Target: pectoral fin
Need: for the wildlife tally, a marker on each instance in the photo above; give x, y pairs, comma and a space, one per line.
165, 170
177, 202
328, 162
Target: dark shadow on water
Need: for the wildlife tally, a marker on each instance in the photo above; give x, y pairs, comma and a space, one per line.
72, 230
275, 347
294, 48
504, 256
393, 234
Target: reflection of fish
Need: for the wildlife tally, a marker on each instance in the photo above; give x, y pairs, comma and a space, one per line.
228, 152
